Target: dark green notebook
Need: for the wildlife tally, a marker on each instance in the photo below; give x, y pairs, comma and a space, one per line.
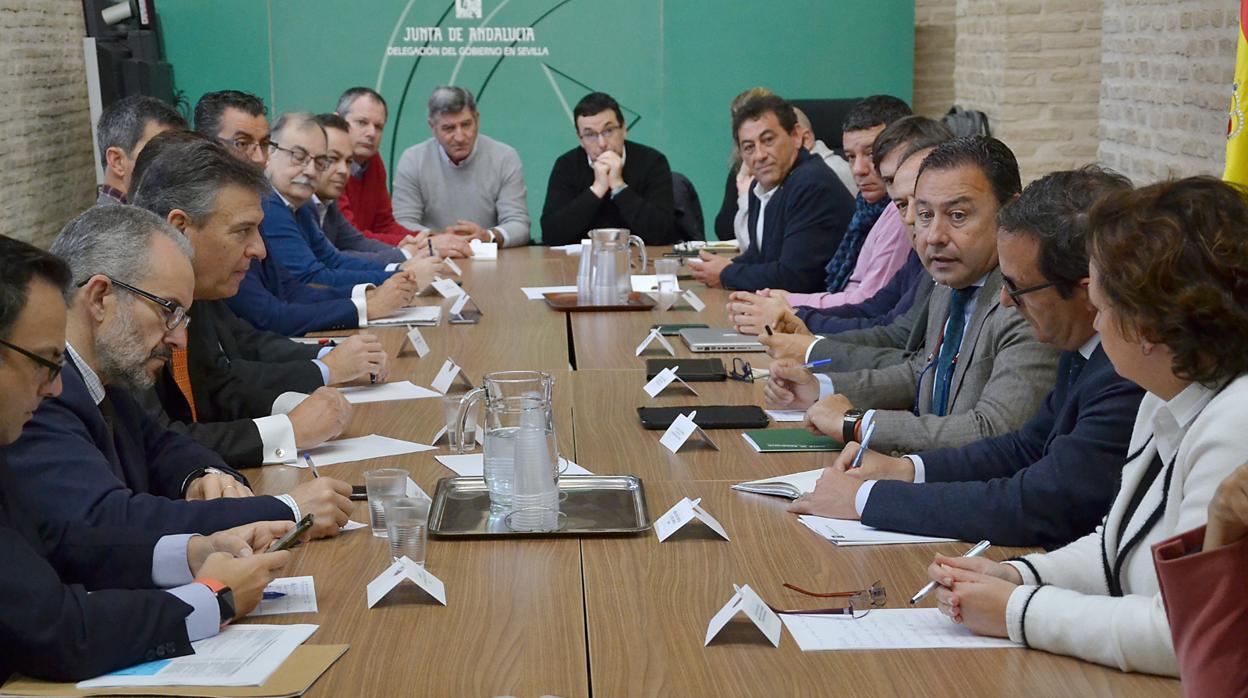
787, 440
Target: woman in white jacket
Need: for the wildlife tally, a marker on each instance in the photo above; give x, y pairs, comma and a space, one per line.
1170, 281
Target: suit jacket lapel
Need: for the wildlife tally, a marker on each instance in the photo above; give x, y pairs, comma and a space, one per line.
987, 299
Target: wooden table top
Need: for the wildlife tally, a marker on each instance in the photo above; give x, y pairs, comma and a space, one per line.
619, 616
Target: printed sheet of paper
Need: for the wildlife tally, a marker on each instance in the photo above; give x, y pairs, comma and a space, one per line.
847, 532
360, 448
383, 392
886, 629
241, 655
300, 597
414, 315
473, 465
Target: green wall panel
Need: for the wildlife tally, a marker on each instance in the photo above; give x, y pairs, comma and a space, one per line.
672, 64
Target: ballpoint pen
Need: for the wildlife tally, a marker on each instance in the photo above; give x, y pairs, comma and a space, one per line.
862, 448
765, 373
311, 466
273, 594
430, 241
927, 588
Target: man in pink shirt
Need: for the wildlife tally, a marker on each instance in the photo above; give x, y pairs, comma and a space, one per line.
884, 249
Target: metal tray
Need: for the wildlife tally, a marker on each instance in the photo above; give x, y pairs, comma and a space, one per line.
568, 303
593, 505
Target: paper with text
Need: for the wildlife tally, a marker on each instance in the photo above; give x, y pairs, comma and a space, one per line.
384, 392
683, 512
473, 465
300, 597
886, 629
446, 376
846, 532
447, 288
417, 340
663, 379
745, 600
424, 315
360, 448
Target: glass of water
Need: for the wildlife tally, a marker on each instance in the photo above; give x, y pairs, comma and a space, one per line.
383, 485
407, 522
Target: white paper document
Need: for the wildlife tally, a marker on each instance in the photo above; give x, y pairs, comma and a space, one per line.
535, 293
300, 597
847, 532
360, 448
786, 415
241, 655
484, 250
383, 392
886, 629
473, 465
791, 486
402, 570
318, 341
426, 315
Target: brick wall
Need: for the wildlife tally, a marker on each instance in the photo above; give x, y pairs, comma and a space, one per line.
46, 168
935, 32
1167, 68
1034, 67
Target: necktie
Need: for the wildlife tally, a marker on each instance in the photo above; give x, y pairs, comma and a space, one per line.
949, 346
182, 376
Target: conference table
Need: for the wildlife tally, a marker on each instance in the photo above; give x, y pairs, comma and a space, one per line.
619, 615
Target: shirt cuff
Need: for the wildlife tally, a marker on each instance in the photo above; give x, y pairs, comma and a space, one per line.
287, 402
205, 618
811, 348
169, 565
825, 385
359, 297
405, 253
867, 418
277, 438
290, 502
860, 499
324, 370
920, 471
393, 266
503, 237
1023, 571
1016, 612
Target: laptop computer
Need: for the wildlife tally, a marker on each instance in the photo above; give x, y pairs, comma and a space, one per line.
710, 339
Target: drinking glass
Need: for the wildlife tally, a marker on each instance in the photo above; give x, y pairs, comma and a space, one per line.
407, 523
383, 485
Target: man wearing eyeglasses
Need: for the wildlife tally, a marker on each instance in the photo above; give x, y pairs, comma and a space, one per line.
1052, 480
93, 453
460, 183
290, 229
124, 128
607, 182
78, 600
236, 119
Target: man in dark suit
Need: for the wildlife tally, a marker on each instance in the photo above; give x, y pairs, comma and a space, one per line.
1053, 480
799, 209
92, 453
979, 370
608, 183
235, 374
78, 601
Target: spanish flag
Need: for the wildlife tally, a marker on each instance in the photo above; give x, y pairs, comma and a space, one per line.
1236, 134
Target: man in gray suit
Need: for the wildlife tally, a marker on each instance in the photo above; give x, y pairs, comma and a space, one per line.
331, 184
979, 370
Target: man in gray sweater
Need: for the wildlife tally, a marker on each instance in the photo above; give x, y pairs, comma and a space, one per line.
459, 182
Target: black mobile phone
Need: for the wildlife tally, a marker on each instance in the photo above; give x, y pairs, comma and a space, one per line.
675, 328
709, 416
701, 370
359, 493
288, 541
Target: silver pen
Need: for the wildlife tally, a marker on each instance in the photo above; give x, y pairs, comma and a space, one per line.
862, 448
979, 548
311, 466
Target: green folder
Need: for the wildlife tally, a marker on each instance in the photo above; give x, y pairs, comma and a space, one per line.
788, 440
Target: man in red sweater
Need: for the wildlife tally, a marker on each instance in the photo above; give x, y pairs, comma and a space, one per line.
366, 201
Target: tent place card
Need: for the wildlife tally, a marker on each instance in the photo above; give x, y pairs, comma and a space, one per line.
686, 510
746, 601
664, 379
655, 336
670, 301
692, 299
449, 375
447, 288
402, 570
484, 251
464, 311
417, 340
681, 429
450, 264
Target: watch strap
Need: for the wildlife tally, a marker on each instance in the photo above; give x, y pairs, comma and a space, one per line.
849, 426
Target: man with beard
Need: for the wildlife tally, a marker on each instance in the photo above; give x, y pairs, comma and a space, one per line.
92, 454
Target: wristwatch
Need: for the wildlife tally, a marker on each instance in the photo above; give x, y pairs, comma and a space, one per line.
849, 427
225, 599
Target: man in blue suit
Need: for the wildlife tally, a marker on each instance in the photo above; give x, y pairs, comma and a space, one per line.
76, 600
799, 209
93, 454
1053, 480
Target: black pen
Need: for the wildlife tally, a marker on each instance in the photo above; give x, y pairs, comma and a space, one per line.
769, 332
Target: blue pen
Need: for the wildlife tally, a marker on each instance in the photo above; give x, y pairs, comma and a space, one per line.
311, 466
813, 364
273, 594
866, 441
430, 241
